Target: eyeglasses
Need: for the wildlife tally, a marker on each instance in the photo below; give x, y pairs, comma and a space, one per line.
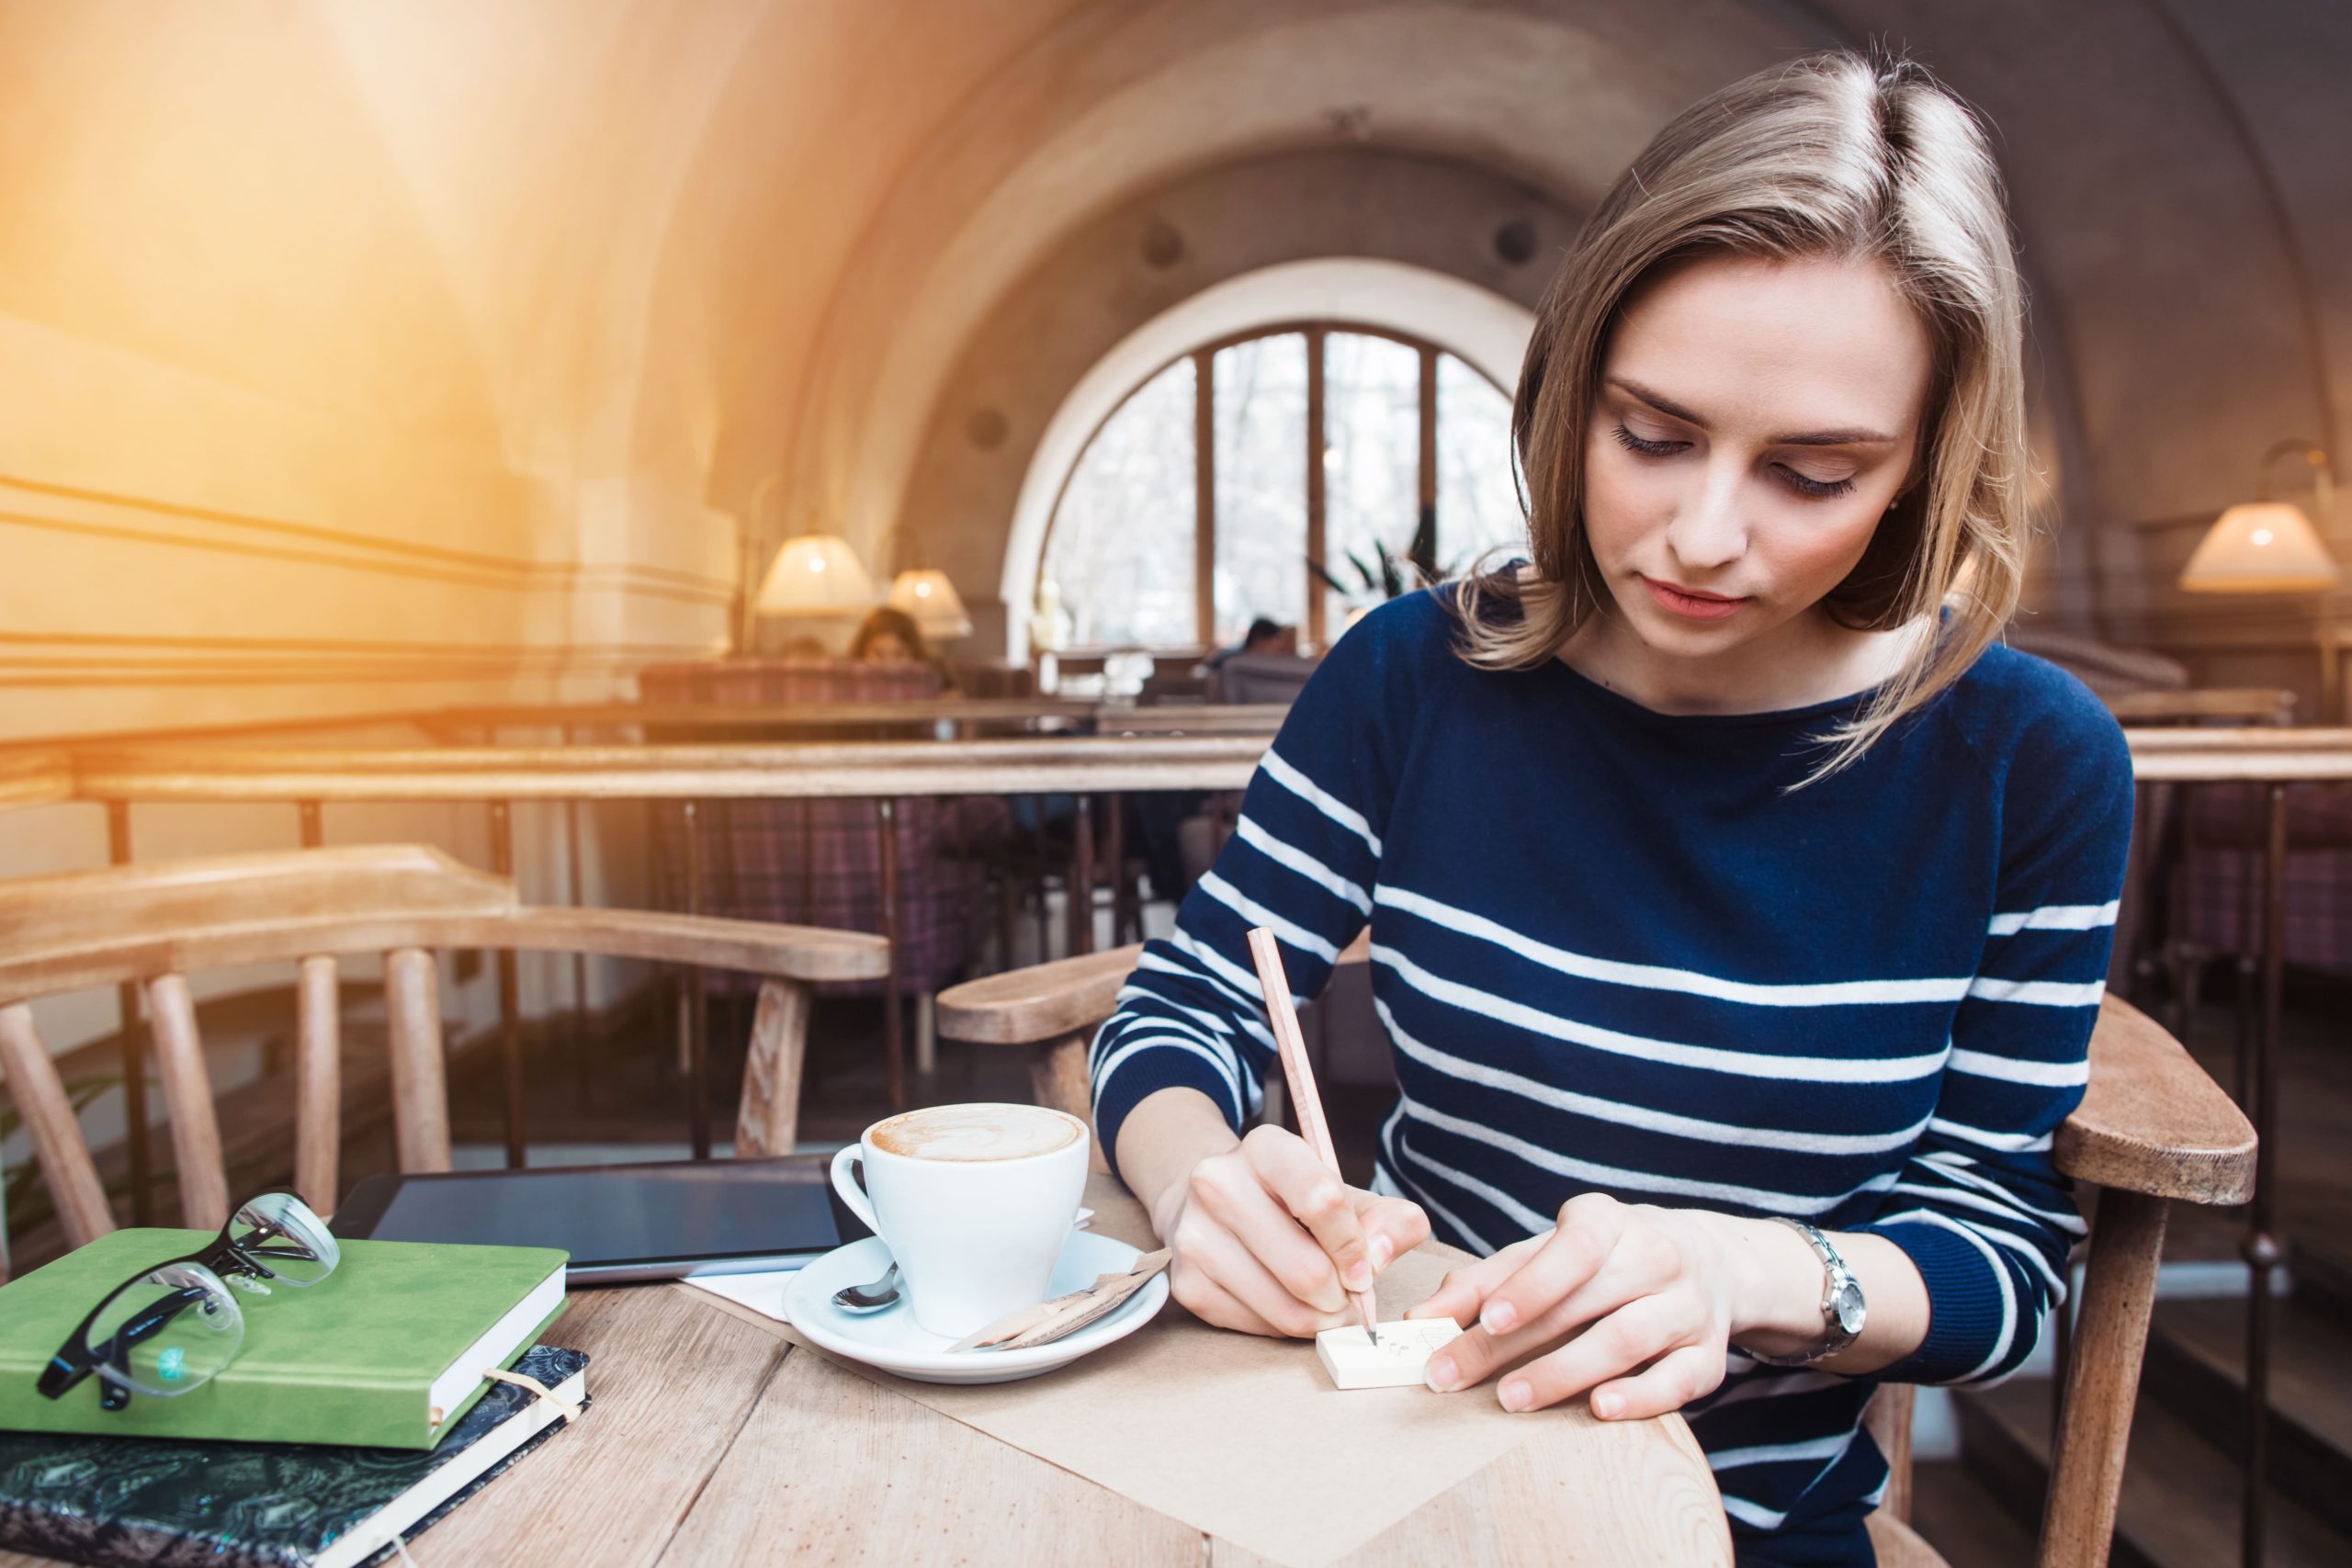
172, 1327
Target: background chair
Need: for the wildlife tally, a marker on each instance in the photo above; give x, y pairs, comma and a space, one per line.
153, 925
2152, 1129
818, 861
1259, 678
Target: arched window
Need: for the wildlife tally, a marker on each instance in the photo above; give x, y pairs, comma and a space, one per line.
1323, 442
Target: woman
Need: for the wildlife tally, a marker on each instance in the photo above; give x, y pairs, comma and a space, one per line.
891, 637
1725, 878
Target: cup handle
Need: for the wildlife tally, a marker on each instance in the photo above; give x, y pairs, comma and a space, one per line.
845, 1184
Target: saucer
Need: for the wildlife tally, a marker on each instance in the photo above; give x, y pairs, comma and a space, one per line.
892, 1339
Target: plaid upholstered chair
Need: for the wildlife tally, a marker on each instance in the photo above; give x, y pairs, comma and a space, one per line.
2221, 873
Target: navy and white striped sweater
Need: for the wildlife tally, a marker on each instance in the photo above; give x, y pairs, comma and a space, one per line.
1610, 954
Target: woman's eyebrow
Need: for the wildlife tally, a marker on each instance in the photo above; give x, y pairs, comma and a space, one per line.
1850, 437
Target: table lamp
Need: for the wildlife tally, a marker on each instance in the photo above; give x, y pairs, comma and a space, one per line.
927, 597
2270, 547
816, 574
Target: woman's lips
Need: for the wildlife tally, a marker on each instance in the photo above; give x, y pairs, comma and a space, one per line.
1689, 605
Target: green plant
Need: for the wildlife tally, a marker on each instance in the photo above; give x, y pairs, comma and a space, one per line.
1390, 582
1396, 577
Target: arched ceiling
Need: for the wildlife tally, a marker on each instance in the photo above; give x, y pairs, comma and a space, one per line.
1112, 101
1237, 81
933, 196
660, 251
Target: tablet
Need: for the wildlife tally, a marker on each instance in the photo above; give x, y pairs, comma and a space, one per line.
621, 1222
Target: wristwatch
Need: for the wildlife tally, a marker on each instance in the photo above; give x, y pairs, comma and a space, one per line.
1842, 1307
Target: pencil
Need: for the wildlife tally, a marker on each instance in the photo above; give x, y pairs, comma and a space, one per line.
1300, 1075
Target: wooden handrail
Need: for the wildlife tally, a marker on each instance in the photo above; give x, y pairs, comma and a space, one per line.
35, 778
676, 772
715, 715
899, 767
1159, 754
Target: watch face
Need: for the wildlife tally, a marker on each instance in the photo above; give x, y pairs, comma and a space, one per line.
1847, 1305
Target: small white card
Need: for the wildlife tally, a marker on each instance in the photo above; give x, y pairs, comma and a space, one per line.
1353, 1359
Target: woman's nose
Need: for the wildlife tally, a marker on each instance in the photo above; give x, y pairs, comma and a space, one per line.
1707, 532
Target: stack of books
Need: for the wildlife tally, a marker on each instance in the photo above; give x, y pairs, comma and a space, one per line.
356, 1413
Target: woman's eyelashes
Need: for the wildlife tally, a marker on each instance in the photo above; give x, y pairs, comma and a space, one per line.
1803, 484
1647, 448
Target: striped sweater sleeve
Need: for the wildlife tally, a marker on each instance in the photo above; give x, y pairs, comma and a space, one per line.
1978, 1206
1303, 862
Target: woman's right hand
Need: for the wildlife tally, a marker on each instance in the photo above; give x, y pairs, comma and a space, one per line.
1269, 1240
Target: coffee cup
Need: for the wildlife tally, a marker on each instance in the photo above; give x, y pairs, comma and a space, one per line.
975, 1203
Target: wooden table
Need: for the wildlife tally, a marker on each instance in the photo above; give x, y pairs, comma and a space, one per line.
2248, 705
710, 1439
882, 772
963, 715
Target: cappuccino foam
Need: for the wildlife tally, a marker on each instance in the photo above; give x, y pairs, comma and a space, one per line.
975, 1133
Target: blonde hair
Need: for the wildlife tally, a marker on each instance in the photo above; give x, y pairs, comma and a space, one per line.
1835, 155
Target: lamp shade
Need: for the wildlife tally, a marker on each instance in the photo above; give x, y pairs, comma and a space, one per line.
931, 601
816, 574
2264, 547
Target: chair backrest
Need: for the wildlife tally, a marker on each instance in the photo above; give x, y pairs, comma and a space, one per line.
148, 927
1259, 678
817, 860
151, 926
766, 681
2108, 669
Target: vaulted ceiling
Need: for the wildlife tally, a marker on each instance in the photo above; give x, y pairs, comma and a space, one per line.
639, 256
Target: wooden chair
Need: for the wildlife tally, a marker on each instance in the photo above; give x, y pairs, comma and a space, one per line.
152, 925
2152, 1129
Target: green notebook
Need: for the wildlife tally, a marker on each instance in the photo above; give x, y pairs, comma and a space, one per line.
385, 1352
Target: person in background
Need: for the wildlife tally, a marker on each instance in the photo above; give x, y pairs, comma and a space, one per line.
1264, 636
891, 637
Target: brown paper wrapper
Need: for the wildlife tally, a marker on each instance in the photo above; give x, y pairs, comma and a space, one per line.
1240, 1436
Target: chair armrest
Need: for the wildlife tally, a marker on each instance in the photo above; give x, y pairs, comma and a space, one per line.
1044, 1001
755, 947
2152, 1120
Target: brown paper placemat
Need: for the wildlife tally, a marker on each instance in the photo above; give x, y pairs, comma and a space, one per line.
1237, 1434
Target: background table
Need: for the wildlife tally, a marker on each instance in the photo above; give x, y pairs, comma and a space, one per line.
710, 1439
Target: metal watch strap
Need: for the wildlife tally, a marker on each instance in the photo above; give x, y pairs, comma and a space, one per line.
1841, 1281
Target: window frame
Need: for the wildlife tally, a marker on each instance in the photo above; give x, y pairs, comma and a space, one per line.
1316, 330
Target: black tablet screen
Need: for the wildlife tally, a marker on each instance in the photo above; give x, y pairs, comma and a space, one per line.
621, 1214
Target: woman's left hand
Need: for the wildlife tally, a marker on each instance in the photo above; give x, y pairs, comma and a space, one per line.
1659, 1294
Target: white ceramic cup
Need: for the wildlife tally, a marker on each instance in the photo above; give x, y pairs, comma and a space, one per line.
975, 1236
